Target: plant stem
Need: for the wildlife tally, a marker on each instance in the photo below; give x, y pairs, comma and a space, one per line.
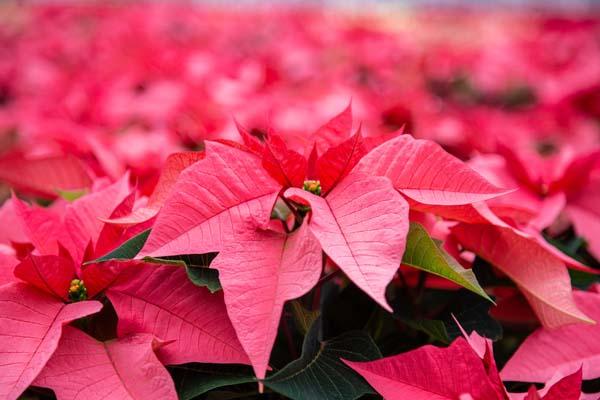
293, 210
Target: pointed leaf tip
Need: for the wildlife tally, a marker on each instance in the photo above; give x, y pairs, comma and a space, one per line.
423, 253
423, 171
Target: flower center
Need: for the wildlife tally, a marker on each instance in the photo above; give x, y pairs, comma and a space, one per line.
313, 187
77, 290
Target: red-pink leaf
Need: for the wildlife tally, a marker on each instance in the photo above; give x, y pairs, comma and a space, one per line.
542, 278
52, 274
567, 388
338, 161
110, 162
45, 176
480, 213
41, 225
126, 368
570, 262
585, 215
286, 166
249, 140
82, 220
162, 301
362, 226
423, 171
335, 131
429, 373
173, 166
110, 235
12, 230
547, 351
259, 271
99, 276
137, 216
562, 386
548, 211
207, 200
31, 323
577, 174
311, 164
7, 265
526, 167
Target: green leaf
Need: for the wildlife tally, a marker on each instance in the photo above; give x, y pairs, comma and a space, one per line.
577, 248
205, 277
127, 250
197, 268
192, 380
423, 253
470, 310
319, 373
583, 280
71, 195
434, 328
303, 318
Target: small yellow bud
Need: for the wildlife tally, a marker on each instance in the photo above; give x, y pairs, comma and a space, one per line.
313, 187
77, 290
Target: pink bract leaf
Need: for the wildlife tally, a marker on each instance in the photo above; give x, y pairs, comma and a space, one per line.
162, 301
99, 276
259, 271
137, 216
108, 160
423, 171
577, 174
311, 163
547, 351
524, 166
569, 261
126, 368
478, 343
583, 211
82, 220
495, 169
45, 176
563, 387
110, 235
7, 265
31, 326
174, 165
335, 131
550, 208
52, 274
41, 225
208, 199
429, 373
12, 230
560, 387
338, 161
362, 226
249, 140
541, 277
286, 166
484, 350
480, 213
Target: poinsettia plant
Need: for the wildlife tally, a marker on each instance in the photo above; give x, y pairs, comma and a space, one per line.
232, 236
436, 239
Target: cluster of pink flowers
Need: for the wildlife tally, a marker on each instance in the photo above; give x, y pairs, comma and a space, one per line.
313, 151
